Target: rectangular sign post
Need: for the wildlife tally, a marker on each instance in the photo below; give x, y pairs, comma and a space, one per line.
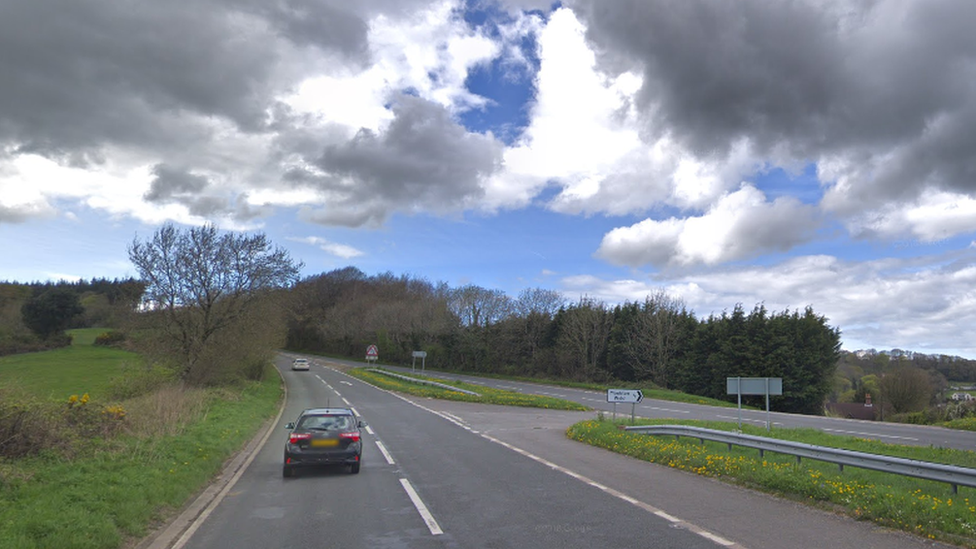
632, 396
754, 386
372, 353
422, 355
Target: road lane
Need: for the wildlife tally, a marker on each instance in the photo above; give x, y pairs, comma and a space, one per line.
751, 519
894, 433
484, 495
317, 508
478, 493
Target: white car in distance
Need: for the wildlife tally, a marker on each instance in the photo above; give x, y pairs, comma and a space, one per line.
299, 364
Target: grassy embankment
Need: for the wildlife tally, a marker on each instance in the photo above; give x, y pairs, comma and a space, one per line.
925, 508
650, 390
488, 395
105, 491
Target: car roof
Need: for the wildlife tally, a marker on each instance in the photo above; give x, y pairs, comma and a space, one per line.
327, 412
301, 360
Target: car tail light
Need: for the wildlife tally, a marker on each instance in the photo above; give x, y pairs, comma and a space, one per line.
294, 438
353, 436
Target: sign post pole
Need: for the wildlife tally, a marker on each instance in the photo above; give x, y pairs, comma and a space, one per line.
632, 396
767, 404
422, 355
754, 386
738, 390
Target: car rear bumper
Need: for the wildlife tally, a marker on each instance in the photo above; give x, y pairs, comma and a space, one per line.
303, 459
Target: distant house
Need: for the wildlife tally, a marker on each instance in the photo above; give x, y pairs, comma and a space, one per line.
852, 410
962, 396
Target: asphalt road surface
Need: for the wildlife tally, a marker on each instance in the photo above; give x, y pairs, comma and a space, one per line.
439, 474
894, 433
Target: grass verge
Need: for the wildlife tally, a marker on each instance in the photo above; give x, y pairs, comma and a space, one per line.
488, 395
75, 370
925, 508
115, 490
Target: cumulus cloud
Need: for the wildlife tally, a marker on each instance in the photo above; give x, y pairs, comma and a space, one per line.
208, 111
741, 225
423, 160
879, 95
333, 248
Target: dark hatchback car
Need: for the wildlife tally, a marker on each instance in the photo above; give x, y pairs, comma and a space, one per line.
324, 436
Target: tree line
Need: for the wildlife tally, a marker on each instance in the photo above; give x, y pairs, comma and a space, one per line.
213, 306
34, 316
539, 333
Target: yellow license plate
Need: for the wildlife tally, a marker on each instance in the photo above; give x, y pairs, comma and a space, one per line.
325, 443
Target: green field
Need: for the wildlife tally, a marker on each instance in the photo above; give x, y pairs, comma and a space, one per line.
75, 370
107, 492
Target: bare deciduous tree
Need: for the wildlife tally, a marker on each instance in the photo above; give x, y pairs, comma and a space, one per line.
586, 329
540, 301
201, 282
906, 389
479, 307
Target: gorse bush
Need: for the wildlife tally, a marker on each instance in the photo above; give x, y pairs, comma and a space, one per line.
109, 339
29, 426
26, 426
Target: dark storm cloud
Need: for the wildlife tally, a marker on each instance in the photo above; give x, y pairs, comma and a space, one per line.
12, 214
196, 193
323, 24
886, 84
170, 182
423, 160
81, 75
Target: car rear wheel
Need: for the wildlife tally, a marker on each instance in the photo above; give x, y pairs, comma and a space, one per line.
287, 471
354, 468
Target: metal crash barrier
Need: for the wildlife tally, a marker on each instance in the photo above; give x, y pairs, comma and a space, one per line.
951, 474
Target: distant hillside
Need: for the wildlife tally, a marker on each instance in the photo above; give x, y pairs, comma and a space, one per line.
855, 364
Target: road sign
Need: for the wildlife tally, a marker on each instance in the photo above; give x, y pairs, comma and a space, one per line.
422, 355
372, 353
630, 396
754, 385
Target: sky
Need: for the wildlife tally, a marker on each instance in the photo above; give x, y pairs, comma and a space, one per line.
810, 153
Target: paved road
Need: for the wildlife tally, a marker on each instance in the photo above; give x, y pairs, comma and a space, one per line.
440, 474
894, 433
477, 493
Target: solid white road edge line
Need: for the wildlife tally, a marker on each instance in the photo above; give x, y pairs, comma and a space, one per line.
432, 525
615, 493
202, 517
385, 452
